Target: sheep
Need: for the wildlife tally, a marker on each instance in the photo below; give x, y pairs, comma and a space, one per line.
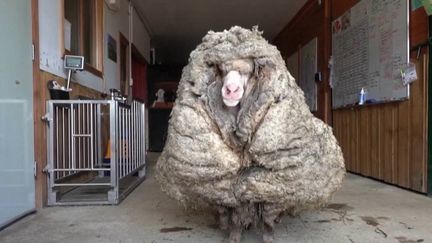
241, 139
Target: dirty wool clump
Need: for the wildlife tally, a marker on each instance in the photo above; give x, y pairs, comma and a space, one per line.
266, 156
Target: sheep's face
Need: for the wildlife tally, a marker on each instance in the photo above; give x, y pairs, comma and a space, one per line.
236, 75
233, 88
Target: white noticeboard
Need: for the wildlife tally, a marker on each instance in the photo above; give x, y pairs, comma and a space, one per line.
370, 47
308, 68
293, 65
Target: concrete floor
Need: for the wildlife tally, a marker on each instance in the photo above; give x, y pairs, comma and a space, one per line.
363, 211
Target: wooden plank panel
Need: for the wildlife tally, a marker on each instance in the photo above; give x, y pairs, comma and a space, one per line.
387, 142
403, 144
349, 133
395, 140
338, 128
341, 135
350, 153
374, 141
347, 143
355, 139
418, 160
40, 180
349, 148
342, 132
364, 156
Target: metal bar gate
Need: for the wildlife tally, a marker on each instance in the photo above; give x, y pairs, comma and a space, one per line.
98, 145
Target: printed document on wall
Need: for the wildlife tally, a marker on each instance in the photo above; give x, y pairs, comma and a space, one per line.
308, 68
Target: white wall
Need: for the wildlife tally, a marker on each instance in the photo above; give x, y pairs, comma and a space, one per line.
141, 38
115, 22
50, 33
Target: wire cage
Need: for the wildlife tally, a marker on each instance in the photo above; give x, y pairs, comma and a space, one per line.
96, 150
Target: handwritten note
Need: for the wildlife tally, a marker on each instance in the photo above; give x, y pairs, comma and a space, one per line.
370, 47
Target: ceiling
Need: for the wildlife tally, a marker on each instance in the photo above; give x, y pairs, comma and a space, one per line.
177, 27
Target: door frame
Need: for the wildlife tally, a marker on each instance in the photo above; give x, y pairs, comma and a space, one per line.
429, 123
38, 111
139, 58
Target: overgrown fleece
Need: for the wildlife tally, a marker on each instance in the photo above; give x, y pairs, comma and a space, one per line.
272, 153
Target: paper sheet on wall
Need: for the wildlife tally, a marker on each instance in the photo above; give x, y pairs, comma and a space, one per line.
67, 34
293, 65
370, 47
308, 68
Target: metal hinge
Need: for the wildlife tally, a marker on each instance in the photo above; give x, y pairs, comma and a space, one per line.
33, 52
46, 118
46, 169
35, 168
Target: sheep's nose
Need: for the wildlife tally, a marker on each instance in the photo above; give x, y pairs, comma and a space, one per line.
232, 89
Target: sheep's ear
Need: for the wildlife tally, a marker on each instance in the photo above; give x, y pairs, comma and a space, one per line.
263, 66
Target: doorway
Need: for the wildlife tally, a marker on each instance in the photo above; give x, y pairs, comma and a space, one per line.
139, 76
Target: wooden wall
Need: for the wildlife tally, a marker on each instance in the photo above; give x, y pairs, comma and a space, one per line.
387, 141
310, 22
41, 95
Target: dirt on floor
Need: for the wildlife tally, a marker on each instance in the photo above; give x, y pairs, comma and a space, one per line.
363, 211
